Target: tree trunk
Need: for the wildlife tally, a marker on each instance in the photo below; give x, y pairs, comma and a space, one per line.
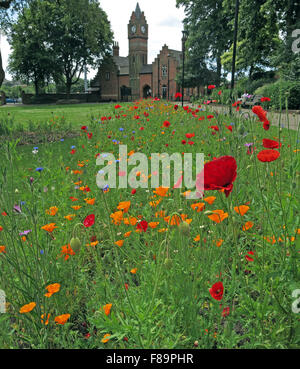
36, 86
219, 70
2, 74
68, 88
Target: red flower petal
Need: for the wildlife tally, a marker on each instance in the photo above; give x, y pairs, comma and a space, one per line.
268, 155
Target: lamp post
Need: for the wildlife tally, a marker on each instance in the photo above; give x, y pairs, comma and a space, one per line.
184, 38
169, 76
236, 24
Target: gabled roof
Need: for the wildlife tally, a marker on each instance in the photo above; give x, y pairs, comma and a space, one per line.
122, 63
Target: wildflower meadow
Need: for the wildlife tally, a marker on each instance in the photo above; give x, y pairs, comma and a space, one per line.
143, 267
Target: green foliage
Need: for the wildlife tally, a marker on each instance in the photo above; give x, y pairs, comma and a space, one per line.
55, 40
280, 91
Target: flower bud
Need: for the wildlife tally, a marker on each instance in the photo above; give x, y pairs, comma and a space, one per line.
184, 228
75, 244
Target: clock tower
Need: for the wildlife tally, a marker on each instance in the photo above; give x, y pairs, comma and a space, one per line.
138, 48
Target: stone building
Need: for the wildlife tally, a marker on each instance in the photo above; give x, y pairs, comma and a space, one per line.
131, 78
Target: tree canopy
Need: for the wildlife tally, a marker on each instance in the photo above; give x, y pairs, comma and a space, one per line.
57, 39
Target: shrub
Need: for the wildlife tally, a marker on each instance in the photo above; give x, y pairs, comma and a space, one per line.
278, 92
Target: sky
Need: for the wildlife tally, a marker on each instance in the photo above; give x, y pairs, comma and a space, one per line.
164, 26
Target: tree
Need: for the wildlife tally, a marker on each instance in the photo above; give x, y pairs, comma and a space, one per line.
58, 38
31, 59
207, 22
79, 35
4, 20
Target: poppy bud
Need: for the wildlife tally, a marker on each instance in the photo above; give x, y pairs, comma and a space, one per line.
75, 244
168, 263
184, 228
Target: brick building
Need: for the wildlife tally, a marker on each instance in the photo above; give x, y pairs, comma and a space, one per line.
131, 78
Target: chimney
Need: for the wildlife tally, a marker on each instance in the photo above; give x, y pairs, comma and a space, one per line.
116, 49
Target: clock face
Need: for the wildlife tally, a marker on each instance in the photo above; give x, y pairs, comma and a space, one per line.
133, 29
143, 29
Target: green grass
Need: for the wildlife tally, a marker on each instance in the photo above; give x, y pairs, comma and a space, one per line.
166, 303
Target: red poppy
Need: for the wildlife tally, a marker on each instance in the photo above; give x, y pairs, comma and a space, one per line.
84, 128
220, 93
215, 128
183, 142
260, 112
133, 192
118, 106
248, 257
263, 99
211, 87
167, 124
210, 117
266, 125
270, 144
217, 291
226, 311
89, 220
218, 174
142, 225
229, 128
178, 94
89, 135
190, 135
268, 155
175, 107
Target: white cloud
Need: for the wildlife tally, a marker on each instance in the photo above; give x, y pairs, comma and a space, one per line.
163, 18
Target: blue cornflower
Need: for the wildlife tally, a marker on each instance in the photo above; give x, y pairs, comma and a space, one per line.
39, 169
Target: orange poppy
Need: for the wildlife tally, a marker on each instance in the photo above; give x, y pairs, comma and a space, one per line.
27, 308
242, 210
90, 201
107, 309
247, 226
119, 243
130, 221
125, 205
161, 191
197, 238
198, 206
43, 316
52, 288
70, 216
49, 227
52, 211
117, 217
105, 338
218, 216
153, 225
76, 207
62, 319
2, 249
133, 271
210, 200
127, 234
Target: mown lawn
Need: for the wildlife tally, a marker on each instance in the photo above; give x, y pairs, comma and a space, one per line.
84, 267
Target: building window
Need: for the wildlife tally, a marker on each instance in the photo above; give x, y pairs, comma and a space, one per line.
164, 71
107, 76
